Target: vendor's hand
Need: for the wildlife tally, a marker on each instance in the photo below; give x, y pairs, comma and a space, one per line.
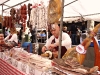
52, 46
44, 49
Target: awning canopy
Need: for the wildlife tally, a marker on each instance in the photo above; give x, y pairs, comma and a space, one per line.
8, 4
76, 10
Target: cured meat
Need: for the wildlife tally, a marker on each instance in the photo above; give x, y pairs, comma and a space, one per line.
73, 68
54, 11
1, 20
72, 62
29, 9
23, 16
10, 21
57, 72
6, 21
12, 13
24, 7
18, 16
85, 43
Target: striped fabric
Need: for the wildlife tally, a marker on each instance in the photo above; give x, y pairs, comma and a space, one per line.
7, 69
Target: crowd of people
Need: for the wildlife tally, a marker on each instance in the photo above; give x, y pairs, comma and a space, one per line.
75, 32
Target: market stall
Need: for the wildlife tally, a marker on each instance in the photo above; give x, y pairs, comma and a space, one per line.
22, 62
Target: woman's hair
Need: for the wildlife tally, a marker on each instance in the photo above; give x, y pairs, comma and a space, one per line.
13, 30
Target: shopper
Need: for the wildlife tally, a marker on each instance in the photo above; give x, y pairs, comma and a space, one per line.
33, 37
12, 37
6, 32
73, 32
65, 29
78, 35
53, 42
20, 34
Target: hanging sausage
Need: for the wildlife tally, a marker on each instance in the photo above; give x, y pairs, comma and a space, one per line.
23, 16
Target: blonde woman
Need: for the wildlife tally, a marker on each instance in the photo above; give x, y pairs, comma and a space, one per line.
12, 37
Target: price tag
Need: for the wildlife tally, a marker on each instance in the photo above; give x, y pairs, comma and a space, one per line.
80, 49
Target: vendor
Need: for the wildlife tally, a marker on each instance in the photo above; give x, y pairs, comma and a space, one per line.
53, 42
12, 37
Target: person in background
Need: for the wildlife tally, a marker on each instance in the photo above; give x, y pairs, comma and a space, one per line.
65, 29
84, 32
12, 37
78, 35
52, 43
20, 34
29, 35
33, 37
83, 27
6, 32
73, 32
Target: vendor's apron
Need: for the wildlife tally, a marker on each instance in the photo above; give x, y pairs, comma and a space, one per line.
63, 48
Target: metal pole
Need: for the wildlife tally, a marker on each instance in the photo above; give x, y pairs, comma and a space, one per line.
61, 25
70, 3
16, 4
4, 2
2, 11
